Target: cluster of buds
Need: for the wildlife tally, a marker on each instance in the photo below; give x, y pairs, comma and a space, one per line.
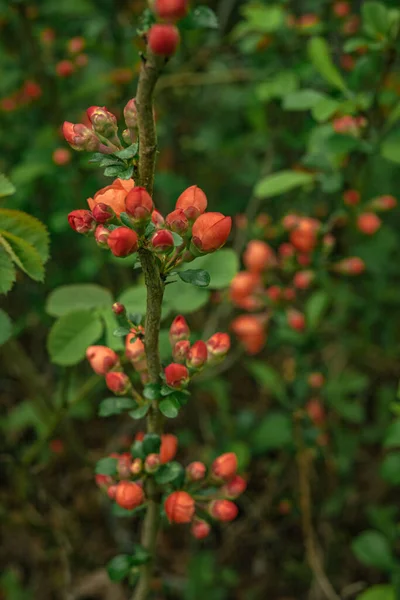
348, 125
100, 135
104, 361
277, 272
29, 92
367, 221
189, 358
163, 36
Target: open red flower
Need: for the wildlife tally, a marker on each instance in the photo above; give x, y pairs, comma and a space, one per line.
113, 195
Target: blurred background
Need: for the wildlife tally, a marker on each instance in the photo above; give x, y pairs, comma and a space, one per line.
225, 121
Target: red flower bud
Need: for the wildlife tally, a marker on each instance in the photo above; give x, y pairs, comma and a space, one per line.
180, 351
102, 359
350, 266
76, 44
177, 221
316, 380
286, 250
123, 241
303, 279
118, 383
103, 481
196, 471
129, 495
351, 197
197, 356
124, 465
81, 221
234, 488
303, 237
289, 294
61, 156
112, 490
151, 463
179, 507
102, 212
210, 231
304, 259
171, 10
139, 205
80, 137
250, 332
176, 376
134, 351
192, 201
163, 39
218, 345
245, 290
223, 510
118, 308
368, 223
157, 219
200, 529
296, 319
103, 122
341, 9
225, 466
130, 114
383, 203
179, 330
169, 447
65, 68
315, 411
162, 241
258, 256
101, 234
274, 293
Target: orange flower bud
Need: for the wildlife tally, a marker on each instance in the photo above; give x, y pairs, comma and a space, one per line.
315, 411
197, 356
181, 351
102, 212
162, 241
118, 383
303, 279
65, 68
274, 293
169, 447
81, 221
179, 507
176, 375
192, 201
296, 320
351, 197
368, 223
234, 488
177, 221
129, 495
123, 241
101, 359
171, 10
218, 345
200, 529
163, 39
139, 205
286, 250
134, 351
111, 491
243, 289
223, 510
211, 231
179, 330
383, 203
341, 9
113, 195
250, 332
225, 466
61, 156
196, 471
316, 380
258, 256
350, 266
76, 45
303, 237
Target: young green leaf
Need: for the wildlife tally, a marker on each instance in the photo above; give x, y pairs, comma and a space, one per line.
196, 277
319, 53
106, 466
115, 406
169, 407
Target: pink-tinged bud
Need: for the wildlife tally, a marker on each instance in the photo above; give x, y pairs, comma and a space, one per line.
76, 45
286, 250
61, 156
200, 529
162, 241
157, 219
179, 507
139, 205
118, 308
351, 197
169, 447
104, 481
136, 466
289, 294
223, 510
102, 212
65, 68
103, 121
303, 279
163, 39
134, 351
123, 241
296, 320
274, 293
151, 463
316, 411
101, 359
80, 137
129, 495
124, 465
368, 223
258, 256
383, 203
316, 380
218, 345
341, 9
211, 231
176, 375
111, 491
304, 237
350, 266
101, 234
177, 221
81, 221
234, 488
244, 288
192, 201
304, 260
180, 351
225, 466
196, 471
118, 383
290, 221
197, 356
250, 332
130, 114
171, 10
179, 330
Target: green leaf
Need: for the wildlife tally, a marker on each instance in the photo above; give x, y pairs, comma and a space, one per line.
25, 256
390, 468
182, 298
68, 298
315, 308
178, 240
222, 267
128, 152
169, 407
115, 406
119, 567
378, 592
71, 335
272, 433
282, 182
375, 19
372, 549
204, 18
137, 449
28, 228
152, 391
106, 466
110, 323
121, 331
267, 378
302, 100
140, 411
392, 438
151, 444
126, 220
197, 277
114, 170
7, 271
168, 473
324, 109
6, 187
134, 299
140, 555
319, 53
390, 147
5, 327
